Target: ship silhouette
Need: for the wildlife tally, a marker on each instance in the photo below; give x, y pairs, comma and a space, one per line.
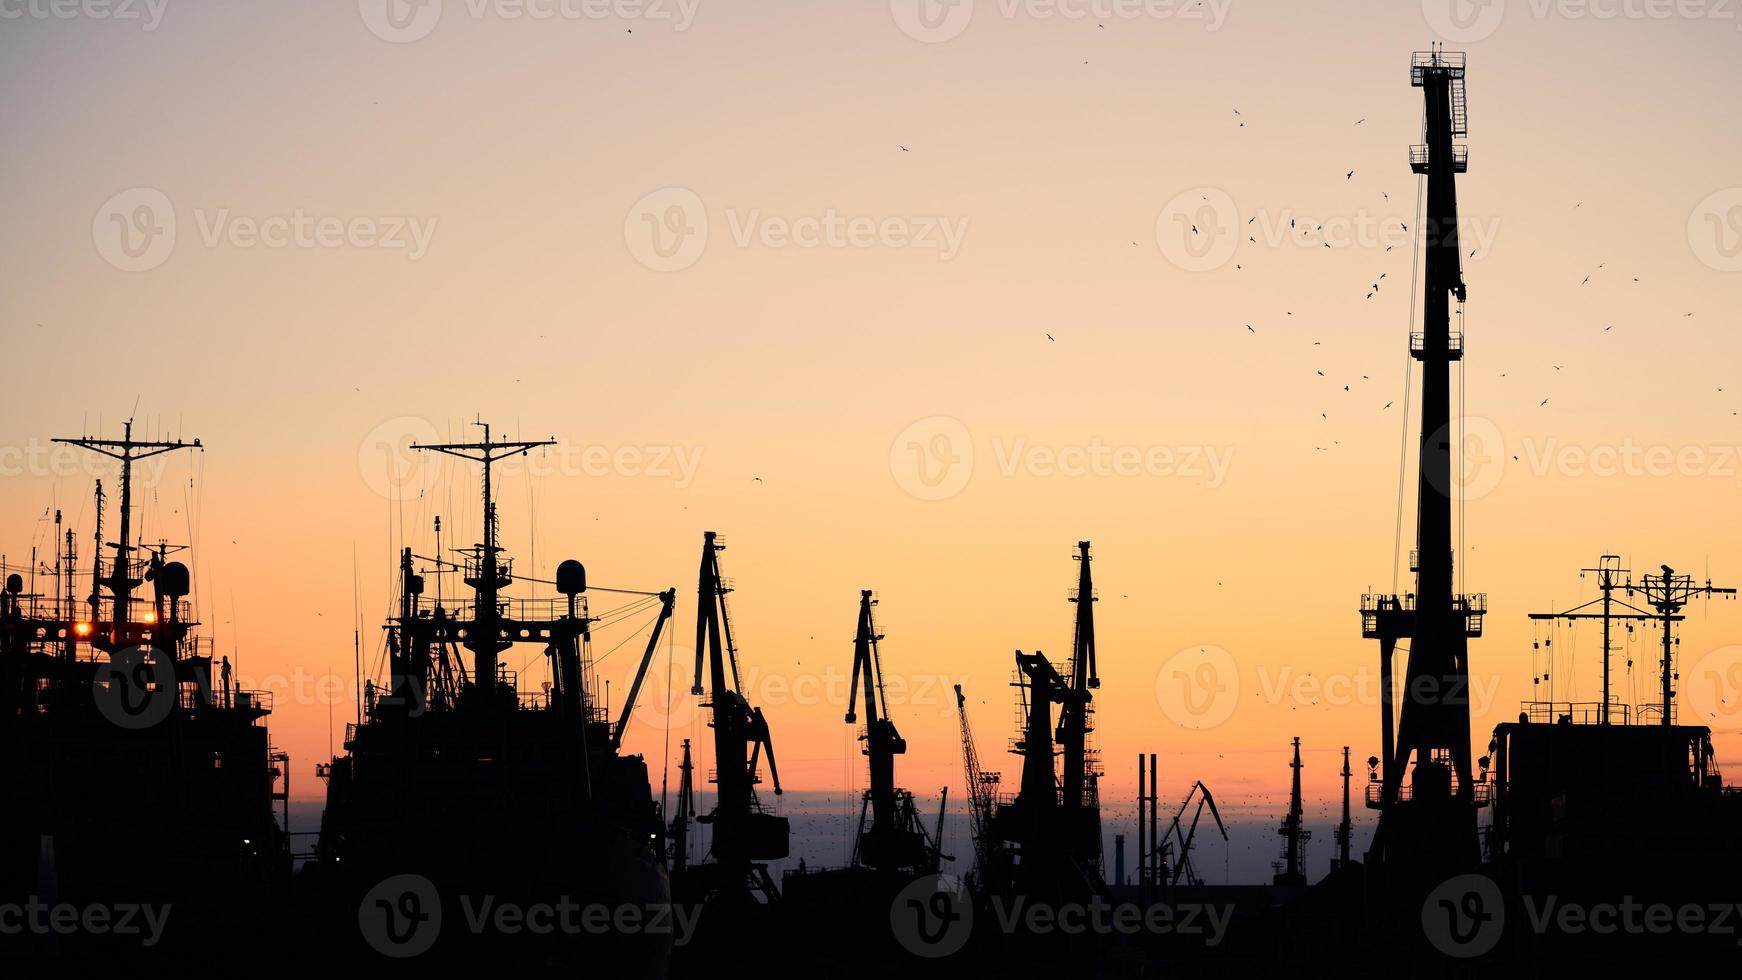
460, 793
139, 778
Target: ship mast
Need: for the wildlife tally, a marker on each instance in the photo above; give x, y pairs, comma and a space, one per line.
488, 577
1669, 593
1345, 827
1289, 869
122, 583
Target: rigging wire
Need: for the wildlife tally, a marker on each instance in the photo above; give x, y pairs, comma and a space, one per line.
1408, 382
665, 753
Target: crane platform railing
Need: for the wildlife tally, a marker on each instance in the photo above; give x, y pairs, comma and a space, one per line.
1449, 62
1418, 158
1454, 343
1574, 712
1483, 793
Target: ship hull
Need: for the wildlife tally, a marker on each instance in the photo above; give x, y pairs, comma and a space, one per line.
489, 844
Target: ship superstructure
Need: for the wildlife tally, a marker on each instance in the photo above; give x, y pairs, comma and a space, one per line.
464, 782
138, 772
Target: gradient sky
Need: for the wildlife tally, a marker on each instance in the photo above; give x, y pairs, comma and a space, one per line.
540, 155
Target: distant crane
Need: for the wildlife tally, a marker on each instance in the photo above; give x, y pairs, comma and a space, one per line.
982, 792
686, 812
1050, 834
1080, 774
894, 839
1182, 863
744, 833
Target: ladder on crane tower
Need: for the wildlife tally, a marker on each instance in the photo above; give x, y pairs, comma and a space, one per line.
1460, 109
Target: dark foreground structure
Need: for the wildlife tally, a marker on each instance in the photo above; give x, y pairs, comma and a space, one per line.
467, 809
139, 781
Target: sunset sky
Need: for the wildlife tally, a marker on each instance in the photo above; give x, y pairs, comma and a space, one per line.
897, 297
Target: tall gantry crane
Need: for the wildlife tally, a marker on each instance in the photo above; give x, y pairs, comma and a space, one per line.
1050, 834
744, 834
1431, 822
894, 839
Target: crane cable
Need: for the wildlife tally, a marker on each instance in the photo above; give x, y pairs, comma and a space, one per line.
1408, 382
